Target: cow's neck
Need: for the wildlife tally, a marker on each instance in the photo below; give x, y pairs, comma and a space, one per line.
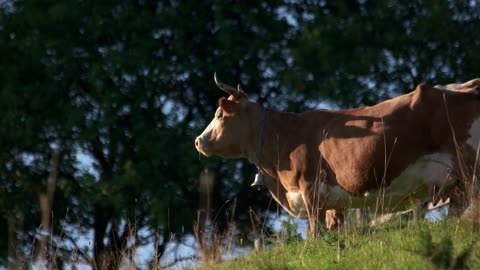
257, 136
269, 138
261, 134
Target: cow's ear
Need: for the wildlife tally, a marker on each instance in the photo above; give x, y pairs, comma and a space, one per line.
228, 105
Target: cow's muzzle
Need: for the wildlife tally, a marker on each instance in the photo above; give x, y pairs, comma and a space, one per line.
200, 146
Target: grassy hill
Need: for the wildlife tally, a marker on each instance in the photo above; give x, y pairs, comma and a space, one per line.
449, 244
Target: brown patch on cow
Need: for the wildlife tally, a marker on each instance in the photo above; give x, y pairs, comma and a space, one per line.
228, 105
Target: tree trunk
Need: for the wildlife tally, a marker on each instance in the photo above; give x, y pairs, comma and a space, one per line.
46, 200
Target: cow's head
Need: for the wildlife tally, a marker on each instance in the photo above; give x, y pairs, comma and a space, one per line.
233, 130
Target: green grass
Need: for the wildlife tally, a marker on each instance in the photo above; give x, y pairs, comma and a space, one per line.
450, 244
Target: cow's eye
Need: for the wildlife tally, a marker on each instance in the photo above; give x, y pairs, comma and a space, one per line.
219, 115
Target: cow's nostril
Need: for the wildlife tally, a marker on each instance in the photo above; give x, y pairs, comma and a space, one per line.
197, 143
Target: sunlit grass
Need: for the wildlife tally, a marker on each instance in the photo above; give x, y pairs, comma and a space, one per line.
449, 244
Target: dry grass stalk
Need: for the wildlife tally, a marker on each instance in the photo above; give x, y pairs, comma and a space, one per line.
209, 242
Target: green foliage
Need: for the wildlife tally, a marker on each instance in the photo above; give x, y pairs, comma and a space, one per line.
288, 231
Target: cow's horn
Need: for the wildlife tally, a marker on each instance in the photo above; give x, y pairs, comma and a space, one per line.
227, 88
239, 88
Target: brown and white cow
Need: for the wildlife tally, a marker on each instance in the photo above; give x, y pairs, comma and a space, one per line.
380, 157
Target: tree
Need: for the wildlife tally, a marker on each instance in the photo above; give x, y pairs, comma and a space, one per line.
128, 91
359, 52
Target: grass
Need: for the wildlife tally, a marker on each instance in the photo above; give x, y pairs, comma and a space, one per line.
449, 244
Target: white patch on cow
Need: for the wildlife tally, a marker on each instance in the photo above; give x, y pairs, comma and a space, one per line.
449, 87
296, 204
468, 210
474, 132
427, 171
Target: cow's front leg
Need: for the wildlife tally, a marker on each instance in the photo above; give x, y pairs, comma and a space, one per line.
278, 192
315, 208
316, 218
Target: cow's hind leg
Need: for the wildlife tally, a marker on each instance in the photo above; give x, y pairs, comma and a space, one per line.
334, 218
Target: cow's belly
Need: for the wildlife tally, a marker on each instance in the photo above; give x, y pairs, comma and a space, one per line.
415, 182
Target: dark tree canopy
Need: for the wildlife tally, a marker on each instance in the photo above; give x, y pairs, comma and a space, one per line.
128, 85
